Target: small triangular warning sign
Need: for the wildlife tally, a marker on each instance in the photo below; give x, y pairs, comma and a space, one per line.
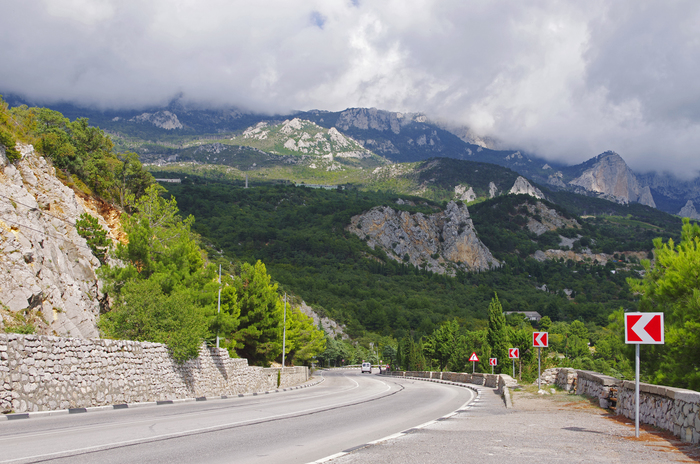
474, 357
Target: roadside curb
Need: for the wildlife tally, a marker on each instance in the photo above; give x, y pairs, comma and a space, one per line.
61, 412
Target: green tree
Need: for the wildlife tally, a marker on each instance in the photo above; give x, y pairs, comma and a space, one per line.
164, 292
258, 338
672, 286
304, 340
441, 344
7, 129
90, 229
497, 334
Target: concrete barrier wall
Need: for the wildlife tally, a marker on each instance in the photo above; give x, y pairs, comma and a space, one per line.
40, 373
674, 409
487, 380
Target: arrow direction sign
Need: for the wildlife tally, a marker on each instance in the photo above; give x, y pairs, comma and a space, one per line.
514, 353
473, 358
644, 328
540, 340
493, 361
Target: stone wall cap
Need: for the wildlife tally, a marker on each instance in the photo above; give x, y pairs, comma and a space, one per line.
605, 380
689, 396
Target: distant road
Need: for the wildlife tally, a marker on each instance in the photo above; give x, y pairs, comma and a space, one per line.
346, 410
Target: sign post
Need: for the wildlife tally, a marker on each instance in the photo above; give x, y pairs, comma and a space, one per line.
540, 340
474, 359
642, 329
493, 362
514, 353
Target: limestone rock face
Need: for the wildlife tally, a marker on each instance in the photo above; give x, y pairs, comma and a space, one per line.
611, 177
556, 179
464, 194
493, 190
689, 211
331, 327
521, 186
549, 219
45, 266
372, 118
441, 242
163, 119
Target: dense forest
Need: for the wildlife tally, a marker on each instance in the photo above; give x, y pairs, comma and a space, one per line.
300, 234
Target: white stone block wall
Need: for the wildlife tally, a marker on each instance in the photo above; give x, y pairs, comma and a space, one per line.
674, 409
41, 373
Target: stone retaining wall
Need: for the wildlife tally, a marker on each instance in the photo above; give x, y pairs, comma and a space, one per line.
40, 373
674, 409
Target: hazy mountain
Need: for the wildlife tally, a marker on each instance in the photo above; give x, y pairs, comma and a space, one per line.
174, 132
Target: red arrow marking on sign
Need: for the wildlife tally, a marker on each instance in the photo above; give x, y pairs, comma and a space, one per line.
644, 328
632, 335
540, 339
513, 353
654, 328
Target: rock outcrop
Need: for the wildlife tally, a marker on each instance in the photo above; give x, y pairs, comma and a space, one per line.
332, 328
462, 193
47, 271
614, 180
689, 211
372, 118
522, 186
547, 219
163, 119
441, 242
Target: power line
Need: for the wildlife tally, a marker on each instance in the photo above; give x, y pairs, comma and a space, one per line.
46, 234
37, 209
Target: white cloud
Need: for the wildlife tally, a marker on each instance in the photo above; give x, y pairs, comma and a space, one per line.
566, 80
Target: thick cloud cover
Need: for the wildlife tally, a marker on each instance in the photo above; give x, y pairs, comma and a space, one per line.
565, 80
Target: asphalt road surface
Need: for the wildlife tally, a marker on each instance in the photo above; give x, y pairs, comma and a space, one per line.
347, 410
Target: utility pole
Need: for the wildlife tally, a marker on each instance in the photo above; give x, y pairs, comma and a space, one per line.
218, 310
284, 330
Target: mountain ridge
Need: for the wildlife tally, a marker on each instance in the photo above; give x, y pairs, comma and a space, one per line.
395, 136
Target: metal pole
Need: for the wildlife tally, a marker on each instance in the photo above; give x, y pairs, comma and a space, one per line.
284, 331
491, 369
513, 368
218, 311
539, 375
636, 392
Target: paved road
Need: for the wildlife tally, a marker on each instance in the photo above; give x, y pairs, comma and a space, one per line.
347, 410
559, 429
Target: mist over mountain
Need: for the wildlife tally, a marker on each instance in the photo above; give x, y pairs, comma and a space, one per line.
394, 136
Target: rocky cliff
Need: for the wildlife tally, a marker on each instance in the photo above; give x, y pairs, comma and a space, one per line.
47, 271
689, 211
610, 177
440, 242
522, 186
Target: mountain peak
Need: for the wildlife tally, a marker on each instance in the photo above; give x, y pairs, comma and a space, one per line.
608, 175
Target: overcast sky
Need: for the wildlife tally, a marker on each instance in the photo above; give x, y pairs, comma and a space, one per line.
566, 80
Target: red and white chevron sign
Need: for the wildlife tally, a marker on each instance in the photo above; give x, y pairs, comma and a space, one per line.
474, 358
539, 339
492, 361
644, 328
513, 353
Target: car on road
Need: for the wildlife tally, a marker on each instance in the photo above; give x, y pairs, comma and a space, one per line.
366, 367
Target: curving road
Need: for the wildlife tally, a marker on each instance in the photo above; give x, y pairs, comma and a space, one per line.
346, 410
